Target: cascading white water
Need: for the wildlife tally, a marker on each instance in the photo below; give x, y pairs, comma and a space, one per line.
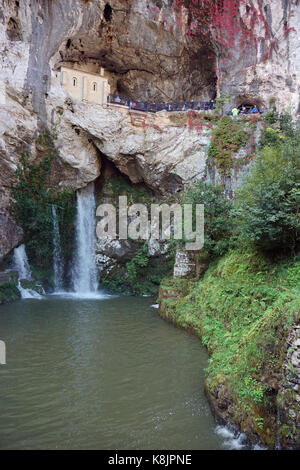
84, 275
58, 267
21, 264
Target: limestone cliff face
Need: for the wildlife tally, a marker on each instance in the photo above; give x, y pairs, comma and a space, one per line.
146, 59
269, 70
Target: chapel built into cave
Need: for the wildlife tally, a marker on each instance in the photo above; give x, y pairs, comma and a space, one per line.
84, 86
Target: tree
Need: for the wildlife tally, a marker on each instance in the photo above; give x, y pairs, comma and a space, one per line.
267, 208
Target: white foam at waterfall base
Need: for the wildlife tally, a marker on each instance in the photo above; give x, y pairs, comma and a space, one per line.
84, 271
232, 440
21, 264
28, 293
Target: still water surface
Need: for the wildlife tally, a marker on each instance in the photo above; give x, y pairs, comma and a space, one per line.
101, 374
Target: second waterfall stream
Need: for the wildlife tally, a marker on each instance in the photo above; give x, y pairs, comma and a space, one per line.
58, 265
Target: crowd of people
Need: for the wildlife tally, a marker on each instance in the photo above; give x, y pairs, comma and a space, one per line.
245, 110
144, 106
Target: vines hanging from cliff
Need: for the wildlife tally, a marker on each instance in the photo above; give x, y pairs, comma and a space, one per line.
226, 24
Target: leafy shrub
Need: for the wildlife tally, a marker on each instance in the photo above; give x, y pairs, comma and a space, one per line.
242, 309
271, 137
271, 117
144, 273
217, 218
9, 292
141, 275
286, 125
228, 136
267, 209
140, 260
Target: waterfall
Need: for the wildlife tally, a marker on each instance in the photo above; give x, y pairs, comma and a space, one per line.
84, 274
57, 257
277, 441
21, 264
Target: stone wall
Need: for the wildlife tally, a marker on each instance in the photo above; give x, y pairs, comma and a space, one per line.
82, 85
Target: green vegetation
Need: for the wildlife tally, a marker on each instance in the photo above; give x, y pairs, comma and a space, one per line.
9, 292
271, 117
218, 222
141, 275
242, 310
265, 212
118, 185
144, 274
33, 285
33, 197
248, 300
228, 136
267, 209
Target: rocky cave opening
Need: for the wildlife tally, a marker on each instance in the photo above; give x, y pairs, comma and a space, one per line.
249, 102
160, 68
107, 12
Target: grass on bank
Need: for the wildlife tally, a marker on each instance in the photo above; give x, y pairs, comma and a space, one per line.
242, 310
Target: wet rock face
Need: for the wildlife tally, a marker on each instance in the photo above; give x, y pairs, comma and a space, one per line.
289, 393
10, 235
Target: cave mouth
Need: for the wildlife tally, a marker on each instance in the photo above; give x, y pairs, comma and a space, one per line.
107, 12
144, 75
247, 106
249, 102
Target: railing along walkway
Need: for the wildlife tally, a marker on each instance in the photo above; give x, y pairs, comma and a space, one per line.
146, 107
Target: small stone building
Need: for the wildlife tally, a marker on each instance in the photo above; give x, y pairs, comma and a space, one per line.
85, 86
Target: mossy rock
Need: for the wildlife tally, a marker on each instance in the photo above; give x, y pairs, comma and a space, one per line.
33, 285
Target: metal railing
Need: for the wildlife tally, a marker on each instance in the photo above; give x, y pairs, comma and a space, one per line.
145, 106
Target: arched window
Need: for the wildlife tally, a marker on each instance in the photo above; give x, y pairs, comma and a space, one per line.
74, 81
94, 86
